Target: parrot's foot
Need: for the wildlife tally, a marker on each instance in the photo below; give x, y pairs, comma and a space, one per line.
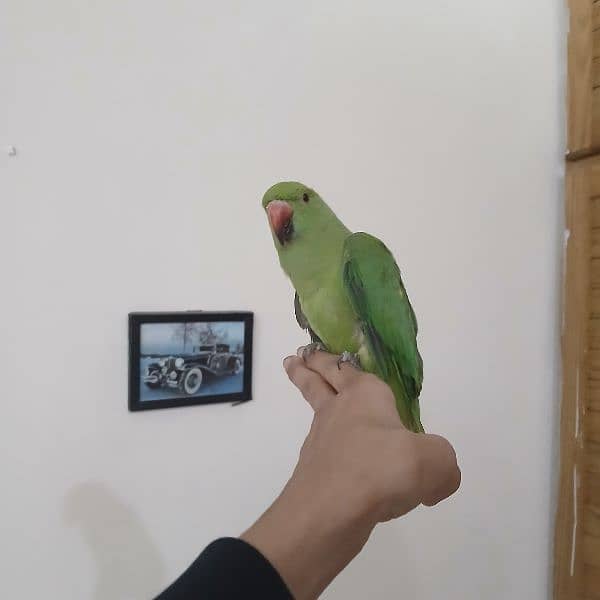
352, 359
310, 349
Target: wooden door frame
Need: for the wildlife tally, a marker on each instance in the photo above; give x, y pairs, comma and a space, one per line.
567, 569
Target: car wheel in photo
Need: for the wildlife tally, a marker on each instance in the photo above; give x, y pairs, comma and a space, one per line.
153, 385
191, 381
236, 366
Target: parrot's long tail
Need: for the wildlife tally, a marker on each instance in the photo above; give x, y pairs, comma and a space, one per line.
408, 408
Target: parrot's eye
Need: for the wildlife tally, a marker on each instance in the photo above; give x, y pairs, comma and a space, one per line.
305, 197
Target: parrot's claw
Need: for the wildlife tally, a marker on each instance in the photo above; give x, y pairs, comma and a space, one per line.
310, 349
352, 359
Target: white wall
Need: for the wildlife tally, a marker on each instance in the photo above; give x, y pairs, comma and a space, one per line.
146, 134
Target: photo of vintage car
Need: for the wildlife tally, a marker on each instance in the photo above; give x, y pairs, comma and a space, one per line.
186, 372
187, 358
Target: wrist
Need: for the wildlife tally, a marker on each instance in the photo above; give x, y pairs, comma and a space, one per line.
309, 534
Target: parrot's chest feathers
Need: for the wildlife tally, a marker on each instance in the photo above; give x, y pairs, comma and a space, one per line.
314, 265
331, 317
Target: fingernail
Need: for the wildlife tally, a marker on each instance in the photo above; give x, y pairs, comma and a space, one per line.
286, 361
300, 351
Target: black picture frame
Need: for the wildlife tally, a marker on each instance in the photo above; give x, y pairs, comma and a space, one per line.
157, 380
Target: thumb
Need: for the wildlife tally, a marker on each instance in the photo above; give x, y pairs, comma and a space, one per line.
312, 386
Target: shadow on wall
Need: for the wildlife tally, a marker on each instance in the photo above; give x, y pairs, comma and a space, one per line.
128, 563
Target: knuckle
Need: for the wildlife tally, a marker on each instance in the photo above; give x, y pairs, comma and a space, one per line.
447, 450
454, 476
456, 480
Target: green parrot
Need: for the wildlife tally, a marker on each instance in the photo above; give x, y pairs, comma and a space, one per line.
349, 293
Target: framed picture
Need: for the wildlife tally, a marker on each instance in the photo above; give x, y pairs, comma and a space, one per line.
185, 358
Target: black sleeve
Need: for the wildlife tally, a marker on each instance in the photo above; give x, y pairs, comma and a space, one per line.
229, 568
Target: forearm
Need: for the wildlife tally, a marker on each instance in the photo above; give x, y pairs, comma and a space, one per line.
308, 537
357, 467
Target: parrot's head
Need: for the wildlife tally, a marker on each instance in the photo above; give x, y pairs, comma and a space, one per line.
294, 212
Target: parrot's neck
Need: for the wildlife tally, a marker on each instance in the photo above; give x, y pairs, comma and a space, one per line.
314, 262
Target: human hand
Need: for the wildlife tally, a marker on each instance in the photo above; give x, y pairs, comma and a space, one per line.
358, 447
357, 467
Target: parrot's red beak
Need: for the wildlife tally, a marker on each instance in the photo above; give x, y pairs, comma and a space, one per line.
280, 218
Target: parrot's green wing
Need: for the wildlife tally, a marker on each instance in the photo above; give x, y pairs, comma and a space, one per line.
372, 279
